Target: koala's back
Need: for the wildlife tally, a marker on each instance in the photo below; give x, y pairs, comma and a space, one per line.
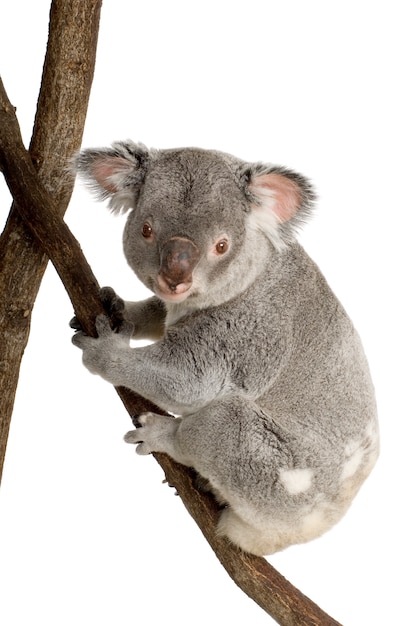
324, 382
294, 355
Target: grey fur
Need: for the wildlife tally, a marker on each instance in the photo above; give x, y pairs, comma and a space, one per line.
253, 351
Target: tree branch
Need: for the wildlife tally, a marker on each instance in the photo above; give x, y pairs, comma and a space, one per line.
254, 575
59, 123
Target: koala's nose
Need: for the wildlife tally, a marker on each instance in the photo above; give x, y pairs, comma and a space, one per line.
179, 257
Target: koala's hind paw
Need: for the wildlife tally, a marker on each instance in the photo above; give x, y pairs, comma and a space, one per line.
155, 433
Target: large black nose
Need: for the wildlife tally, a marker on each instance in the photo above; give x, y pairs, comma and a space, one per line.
179, 257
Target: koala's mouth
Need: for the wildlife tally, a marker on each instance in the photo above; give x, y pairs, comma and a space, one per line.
171, 291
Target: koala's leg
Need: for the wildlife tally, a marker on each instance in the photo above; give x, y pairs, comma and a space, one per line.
239, 449
219, 441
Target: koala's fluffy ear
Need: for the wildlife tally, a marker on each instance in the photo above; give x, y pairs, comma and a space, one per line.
281, 200
114, 173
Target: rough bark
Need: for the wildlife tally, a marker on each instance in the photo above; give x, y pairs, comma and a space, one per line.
59, 124
254, 575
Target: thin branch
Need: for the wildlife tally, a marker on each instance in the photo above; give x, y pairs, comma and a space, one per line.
254, 575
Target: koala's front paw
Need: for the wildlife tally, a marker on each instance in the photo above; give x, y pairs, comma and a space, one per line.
106, 353
155, 434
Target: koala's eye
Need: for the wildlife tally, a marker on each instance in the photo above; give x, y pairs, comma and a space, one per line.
222, 246
147, 230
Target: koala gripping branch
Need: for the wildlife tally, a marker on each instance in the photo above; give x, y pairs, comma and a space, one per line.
254, 575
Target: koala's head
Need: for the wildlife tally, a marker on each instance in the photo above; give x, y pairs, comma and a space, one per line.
202, 223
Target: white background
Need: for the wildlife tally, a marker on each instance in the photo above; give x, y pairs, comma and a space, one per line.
88, 533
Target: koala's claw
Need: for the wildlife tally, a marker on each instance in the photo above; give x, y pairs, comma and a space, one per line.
75, 323
114, 307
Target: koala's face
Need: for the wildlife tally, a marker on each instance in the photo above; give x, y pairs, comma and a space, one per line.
202, 223
187, 233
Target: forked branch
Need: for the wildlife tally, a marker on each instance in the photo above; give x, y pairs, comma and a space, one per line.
59, 123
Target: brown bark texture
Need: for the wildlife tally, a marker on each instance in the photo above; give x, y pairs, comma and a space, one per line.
41, 191
59, 124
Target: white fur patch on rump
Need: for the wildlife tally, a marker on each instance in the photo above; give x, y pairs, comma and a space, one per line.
297, 480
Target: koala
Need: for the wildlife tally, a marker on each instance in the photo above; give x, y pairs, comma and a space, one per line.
252, 355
